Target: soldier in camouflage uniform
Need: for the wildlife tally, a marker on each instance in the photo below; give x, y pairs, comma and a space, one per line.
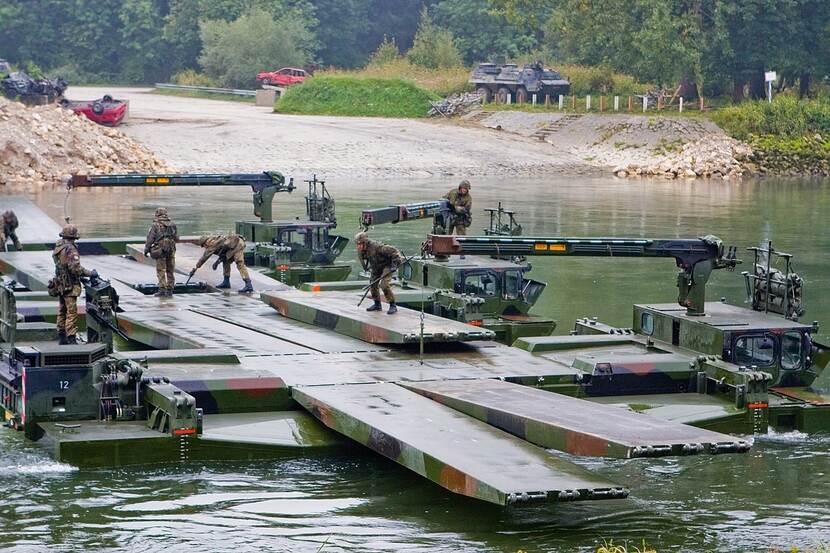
10, 224
68, 273
229, 248
161, 246
461, 203
382, 261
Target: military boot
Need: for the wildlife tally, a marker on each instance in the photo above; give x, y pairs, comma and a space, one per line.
226, 283
248, 288
71, 340
375, 306
392, 309
61, 338
160, 293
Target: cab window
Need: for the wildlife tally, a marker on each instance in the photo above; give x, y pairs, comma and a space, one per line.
647, 323
791, 352
512, 284
755, 350
480, 285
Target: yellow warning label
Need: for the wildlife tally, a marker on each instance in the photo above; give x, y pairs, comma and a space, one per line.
540, 247
558, 248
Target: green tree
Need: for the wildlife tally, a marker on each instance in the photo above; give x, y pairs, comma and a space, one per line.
433, 46
235, 51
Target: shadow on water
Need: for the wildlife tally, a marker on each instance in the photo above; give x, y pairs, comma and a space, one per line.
776, 495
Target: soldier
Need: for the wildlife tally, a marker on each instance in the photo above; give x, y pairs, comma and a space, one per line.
10, 224
382, 260
68, 273
461, 203
228, 248
161, 246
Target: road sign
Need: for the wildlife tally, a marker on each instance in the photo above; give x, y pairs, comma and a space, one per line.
770, 76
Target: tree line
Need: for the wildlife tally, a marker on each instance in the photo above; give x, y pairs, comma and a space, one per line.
711, 47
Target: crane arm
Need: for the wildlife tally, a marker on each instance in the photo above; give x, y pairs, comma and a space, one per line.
696, 258
264, 185
439, 210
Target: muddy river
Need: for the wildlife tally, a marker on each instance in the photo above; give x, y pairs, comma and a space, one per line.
775, 496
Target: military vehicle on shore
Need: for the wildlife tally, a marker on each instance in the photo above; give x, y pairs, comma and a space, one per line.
212, 376
509, 83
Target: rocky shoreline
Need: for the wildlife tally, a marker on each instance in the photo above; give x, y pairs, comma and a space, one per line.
710, 157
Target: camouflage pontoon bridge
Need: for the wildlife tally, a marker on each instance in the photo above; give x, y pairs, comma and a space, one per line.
209, 375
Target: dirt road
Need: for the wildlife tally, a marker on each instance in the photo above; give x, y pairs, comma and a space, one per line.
210, 135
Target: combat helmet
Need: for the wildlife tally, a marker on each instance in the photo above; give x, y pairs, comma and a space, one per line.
70, 232
361, 238
464, 184
203, 239
161, 211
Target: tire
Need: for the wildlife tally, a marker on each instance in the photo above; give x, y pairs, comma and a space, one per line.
107, 98
266, 82
521, 95
97, 107
503, 95
485, 93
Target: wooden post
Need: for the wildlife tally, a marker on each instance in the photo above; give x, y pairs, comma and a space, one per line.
645, 103
659, 103
630, 106
616, 103
509, 97
573, 102
701, 103
588, 102
681, 104
561, 102
601, 103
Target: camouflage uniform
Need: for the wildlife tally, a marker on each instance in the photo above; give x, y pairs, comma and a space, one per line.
10, 225
381, 260
462, 207
68, 273
230, 248
161, 246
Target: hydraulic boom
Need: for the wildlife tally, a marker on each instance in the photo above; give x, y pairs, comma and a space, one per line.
696, 258
439, 210
264, 185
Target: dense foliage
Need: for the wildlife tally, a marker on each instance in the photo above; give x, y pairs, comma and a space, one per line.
714, 47
785, 117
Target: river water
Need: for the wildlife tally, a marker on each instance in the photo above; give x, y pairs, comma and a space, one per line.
775, 496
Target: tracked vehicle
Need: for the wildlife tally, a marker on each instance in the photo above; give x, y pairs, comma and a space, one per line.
212, 376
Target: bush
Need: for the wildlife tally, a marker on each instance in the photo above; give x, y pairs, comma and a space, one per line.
786, 116
433, 46
443, 81
233, 53
600, 80
191, 77
386, 53
327, 95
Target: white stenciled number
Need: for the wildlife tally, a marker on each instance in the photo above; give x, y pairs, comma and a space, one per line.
64, 384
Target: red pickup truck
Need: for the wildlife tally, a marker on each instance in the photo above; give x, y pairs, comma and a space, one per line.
282, 77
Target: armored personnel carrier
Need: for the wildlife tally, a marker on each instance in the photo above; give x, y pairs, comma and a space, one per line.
508, 83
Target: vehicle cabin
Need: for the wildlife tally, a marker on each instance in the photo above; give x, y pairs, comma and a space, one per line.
297, 241
741, 336
496, 281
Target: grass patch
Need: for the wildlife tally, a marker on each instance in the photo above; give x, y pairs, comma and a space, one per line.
442, 81
356, 96
204, 95
601, 80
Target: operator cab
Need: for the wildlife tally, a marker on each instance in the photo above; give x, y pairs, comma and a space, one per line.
747, 338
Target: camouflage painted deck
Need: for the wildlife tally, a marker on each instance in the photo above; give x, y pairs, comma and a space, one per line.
575, 426
339, 312
36, 227
464, 455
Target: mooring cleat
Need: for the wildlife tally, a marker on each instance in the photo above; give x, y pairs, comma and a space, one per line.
226, 283
375, 307
248, 288
392, 309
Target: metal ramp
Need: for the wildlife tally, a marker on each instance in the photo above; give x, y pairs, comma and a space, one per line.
574, 425
460, 453
339, 312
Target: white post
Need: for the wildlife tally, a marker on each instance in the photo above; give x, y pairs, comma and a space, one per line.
616, 103
508, 98
534, 99
561, 102
645, 103
681, 104
588, 102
